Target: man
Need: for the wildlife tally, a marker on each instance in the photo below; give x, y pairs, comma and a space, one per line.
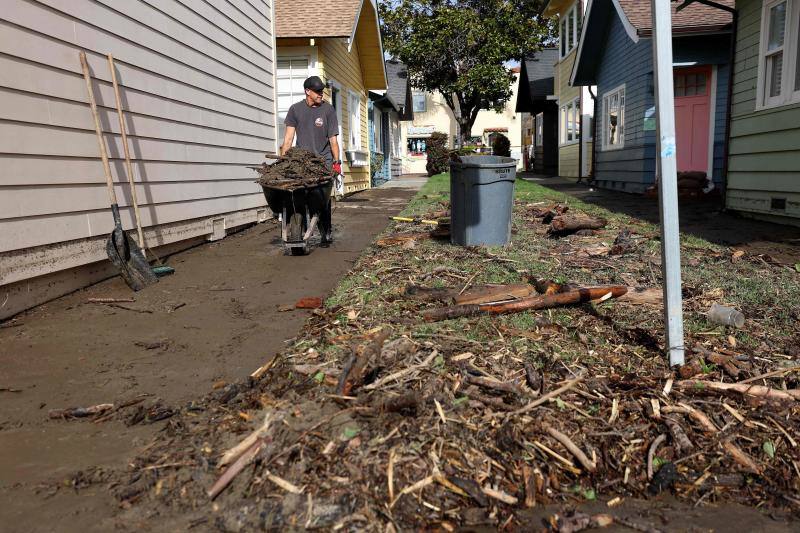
317, 129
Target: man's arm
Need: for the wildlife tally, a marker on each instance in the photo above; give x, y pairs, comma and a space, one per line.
288, 139
335, 147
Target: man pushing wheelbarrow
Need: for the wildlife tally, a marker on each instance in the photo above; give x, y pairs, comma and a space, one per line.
316, 127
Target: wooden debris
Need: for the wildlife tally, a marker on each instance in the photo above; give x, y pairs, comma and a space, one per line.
80, 412
526, 304
572, 448
298, 168
356, 367
642, 295
753, 391
494, 293
566, 224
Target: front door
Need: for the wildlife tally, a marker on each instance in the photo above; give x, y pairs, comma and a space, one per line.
692, 117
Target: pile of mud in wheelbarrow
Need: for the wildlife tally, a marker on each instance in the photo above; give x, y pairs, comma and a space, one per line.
297, 186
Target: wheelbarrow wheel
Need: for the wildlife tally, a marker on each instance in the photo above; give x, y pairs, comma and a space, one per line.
295, 233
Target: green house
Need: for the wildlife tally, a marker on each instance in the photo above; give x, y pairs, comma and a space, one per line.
764, 149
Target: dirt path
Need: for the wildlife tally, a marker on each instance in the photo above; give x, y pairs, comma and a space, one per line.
215, 321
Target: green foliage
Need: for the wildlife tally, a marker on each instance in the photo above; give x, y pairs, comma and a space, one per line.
461, 48
375, 163
501, 146
438, 154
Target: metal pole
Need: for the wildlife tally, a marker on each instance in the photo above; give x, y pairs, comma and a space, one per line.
668, 182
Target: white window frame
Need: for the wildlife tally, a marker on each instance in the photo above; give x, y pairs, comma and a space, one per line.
538, 125
570, 20
333, 84
605, 146
569, 113
305, 73
791, 41
377, 127
414, 96
355, 118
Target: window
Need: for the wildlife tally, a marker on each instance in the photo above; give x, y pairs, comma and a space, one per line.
691, 84
291, 75
779, 59
336, 102
568, 122
419, 102
569, 30
613, 119
377, 125
354, 108
539, 129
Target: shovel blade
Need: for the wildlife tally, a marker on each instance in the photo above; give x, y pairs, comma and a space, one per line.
126, 255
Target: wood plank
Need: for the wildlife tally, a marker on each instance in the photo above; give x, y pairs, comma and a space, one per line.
27, 107
137, 67
61, 170
27, 232
34, 139
30, 201
93, 23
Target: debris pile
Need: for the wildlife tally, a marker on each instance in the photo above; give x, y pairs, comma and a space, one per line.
296, 169
376, 419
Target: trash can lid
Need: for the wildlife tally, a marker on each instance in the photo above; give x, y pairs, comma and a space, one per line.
484, 161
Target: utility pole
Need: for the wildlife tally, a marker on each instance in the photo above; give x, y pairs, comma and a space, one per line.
667, 171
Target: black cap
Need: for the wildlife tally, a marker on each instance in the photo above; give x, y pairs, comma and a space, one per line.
314, 83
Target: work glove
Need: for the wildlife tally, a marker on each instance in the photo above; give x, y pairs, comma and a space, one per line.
337, 167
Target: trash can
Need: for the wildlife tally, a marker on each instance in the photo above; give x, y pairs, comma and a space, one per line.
481, 200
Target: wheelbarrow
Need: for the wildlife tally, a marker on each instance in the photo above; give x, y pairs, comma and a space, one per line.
300, 209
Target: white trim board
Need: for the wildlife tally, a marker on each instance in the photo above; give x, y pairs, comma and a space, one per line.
711, 120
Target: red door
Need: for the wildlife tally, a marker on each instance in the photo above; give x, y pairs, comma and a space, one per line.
692, 116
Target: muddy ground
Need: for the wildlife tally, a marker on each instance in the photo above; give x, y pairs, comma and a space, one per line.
335, 451
213, 322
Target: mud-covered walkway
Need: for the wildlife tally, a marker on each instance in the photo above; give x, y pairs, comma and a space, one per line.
214, 322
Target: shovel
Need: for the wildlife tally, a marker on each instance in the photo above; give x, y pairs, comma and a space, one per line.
122, 250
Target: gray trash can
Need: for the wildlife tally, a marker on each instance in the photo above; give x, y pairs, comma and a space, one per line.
481, 200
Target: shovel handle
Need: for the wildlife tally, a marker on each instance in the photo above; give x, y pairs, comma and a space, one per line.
128, 164
98, 130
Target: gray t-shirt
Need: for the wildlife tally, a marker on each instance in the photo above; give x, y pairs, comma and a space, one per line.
314, 127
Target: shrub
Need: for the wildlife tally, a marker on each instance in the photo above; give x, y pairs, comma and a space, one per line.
438, 154
501, 146
375, 163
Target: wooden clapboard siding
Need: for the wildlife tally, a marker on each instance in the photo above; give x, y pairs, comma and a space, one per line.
344, 66
624, 62
568, 154
764, 145
197, 84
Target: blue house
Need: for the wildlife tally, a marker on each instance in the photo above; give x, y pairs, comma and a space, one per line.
385, 110
615, 53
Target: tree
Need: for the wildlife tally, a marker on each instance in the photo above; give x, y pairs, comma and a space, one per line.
461, 48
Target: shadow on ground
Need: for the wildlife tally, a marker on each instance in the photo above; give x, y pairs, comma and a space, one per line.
703, 218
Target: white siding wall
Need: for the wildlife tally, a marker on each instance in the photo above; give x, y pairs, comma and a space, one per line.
197, 82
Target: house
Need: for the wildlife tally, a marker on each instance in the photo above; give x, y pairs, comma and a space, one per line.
197, 87
615, 53
386, 110
343, 47
764, 151
539, 110
431, 114
508, 122
576, 104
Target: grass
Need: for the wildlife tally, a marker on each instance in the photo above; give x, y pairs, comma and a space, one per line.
765, 294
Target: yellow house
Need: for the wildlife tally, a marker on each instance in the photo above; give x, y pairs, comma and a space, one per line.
341, 43
431, 114
507, 122
575, 104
